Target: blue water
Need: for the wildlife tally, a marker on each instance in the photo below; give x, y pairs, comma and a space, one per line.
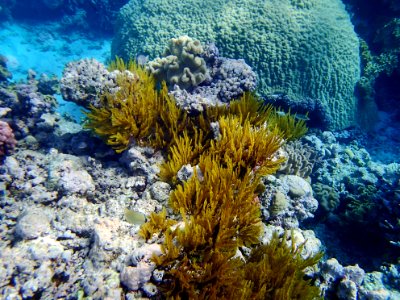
38, 46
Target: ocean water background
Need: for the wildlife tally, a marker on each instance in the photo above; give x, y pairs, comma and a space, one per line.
42, 39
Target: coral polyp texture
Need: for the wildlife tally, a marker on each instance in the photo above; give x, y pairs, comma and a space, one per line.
181, 63
302, 49
84, 80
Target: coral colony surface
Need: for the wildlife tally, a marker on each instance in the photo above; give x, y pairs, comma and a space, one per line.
200, 149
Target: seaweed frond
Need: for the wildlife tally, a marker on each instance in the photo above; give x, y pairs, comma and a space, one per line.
291, 127
230, 148
276, 271
157, 223
223, 202
120, 65
202, 275
248, 107
130, 112
184, 150
248, 146
171, 121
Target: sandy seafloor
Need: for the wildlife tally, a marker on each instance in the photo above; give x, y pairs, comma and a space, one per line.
81, 238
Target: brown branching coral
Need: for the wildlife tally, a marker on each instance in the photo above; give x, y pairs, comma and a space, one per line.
130, 112
222, 201
158, 223
220, 213
231, 147
248, 146
275, 271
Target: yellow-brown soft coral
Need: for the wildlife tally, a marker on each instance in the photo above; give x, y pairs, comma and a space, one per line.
229, 149
130, 112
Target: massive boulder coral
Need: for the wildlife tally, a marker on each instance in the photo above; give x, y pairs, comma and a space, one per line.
303, 49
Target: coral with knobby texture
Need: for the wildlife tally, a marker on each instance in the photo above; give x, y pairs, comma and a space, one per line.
181, 63
287, 201
84, 80
7, 139
229, 80
232, 78
328, 198
300, 159
303, 49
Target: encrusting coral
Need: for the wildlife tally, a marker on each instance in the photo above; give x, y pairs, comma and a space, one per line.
231, 147
7, 139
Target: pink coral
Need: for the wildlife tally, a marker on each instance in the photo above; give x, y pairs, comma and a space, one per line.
7, 139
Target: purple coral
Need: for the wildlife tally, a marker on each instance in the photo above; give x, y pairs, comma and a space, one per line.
7, 139
228, 80
232, 78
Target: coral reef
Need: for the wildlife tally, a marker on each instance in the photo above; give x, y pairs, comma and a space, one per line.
352, 282
229, 79
287, 201
84, 80
7, 139
300, 159
303, 51
357, 195
136, 110
133, 111
26, 109
64, 198
230, 148
181, 63
63, 218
